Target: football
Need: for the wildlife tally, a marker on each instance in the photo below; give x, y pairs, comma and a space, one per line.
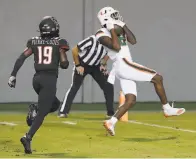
119, 30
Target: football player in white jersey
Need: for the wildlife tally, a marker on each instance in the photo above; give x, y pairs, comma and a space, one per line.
124, 68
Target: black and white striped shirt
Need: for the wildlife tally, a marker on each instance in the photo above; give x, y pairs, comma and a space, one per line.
91, 51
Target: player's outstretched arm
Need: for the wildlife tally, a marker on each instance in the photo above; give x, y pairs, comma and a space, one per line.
113, 42
130, 36
64, 63
19, 62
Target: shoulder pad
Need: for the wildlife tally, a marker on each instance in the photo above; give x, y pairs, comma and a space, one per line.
29, 43
102, 32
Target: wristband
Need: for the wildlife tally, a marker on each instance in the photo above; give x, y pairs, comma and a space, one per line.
78, 65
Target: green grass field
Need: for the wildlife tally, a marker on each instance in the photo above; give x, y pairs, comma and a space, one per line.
148, 135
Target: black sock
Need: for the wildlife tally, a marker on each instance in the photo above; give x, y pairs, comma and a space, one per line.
35, 126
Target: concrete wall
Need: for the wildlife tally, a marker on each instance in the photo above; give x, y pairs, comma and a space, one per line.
165, 32
19, 22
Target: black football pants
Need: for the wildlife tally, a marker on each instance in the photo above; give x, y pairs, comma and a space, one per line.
44, 85
77, 80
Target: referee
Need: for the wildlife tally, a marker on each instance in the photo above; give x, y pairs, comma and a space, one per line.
87, 56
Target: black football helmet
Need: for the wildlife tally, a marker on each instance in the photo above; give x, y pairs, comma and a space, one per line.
49, 26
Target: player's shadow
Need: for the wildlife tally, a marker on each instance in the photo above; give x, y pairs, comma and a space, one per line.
150, 139
56, 155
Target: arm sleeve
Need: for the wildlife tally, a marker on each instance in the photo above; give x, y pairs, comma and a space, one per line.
19, 62
63, 44
85, 44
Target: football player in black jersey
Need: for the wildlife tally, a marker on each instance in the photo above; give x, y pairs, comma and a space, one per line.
49, 51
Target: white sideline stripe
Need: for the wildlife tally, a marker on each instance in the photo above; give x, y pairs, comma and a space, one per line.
130, 121
69, 122
172, 120
7, 123
160, 126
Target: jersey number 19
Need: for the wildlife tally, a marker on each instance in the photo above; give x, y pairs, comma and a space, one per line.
44, 55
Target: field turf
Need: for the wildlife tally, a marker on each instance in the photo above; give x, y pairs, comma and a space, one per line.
148, 134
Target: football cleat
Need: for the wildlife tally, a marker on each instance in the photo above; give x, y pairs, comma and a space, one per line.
33, 108
63, 115
26, 144
109, 127
171, 111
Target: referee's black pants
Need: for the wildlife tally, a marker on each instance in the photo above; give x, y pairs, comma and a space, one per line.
77, 80
44, 85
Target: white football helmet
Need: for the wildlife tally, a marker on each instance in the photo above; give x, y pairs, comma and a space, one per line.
108, 13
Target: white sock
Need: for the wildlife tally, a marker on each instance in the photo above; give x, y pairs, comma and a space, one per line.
113, 120
166, 106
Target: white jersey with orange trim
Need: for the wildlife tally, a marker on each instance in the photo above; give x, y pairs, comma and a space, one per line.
123, 53
124, 68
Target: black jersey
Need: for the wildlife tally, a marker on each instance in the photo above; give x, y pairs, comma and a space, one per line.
46, 52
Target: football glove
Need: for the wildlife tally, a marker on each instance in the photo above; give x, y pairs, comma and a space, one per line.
120, 23
110, 25
12, 82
